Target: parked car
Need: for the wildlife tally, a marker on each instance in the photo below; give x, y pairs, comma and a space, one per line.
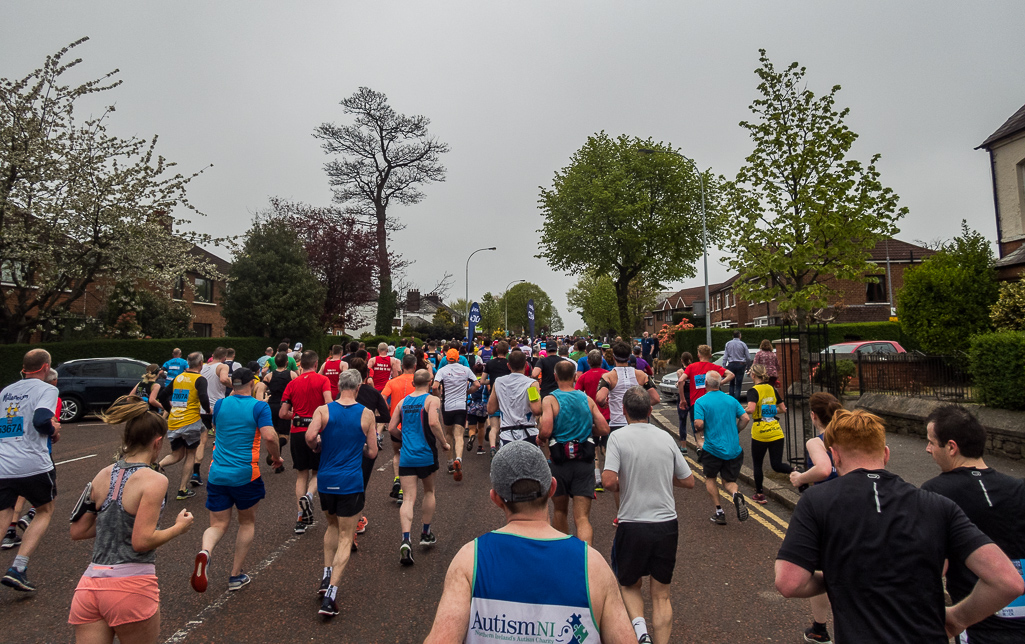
94, 383
866, 347
667, 386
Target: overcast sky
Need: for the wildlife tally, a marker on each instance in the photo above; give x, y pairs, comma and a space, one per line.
516, 87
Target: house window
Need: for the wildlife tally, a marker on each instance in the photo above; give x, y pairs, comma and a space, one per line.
718, 302
727, 299
13, 272
203, 330
658, 316
876, 292
179, 289
204, 291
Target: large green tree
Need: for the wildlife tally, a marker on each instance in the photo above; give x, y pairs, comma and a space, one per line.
594, 297
947, 299
803, 213
284, 302
80, 206
629, 208
546, 316
384, 157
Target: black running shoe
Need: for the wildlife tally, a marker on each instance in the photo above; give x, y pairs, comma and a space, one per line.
480, 449
25, 521
195, 481
451, 467
469, 443
406, 554
822, 638
719, 518
10, 540
307, 510
428, 539
741, 503
644, 639
185, 494
395, 487
300, 527
328, 607
324, 583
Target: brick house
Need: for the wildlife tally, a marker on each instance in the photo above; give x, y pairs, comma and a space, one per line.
681, 302
1006, 147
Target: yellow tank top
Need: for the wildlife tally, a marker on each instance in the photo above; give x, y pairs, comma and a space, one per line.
184, 401
766, 428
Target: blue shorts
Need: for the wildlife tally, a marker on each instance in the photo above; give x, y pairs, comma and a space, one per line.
243, 497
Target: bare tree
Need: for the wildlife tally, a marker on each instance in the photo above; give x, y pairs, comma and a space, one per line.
384, 156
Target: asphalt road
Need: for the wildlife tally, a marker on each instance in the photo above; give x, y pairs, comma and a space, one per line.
722, 592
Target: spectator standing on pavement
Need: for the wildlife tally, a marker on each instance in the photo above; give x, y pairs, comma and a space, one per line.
26, 468
721, 418
185, 400
234, 480
694, 375
118, 594
763, 405
175, 365
736, 359
766, 357
569, 422
642, 364
993, 501
557, 579
649, 347
645, 464
877, 546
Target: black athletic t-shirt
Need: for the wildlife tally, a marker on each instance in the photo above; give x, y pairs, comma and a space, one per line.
547, 367
995, 503
372, 399
496, 368
880, 543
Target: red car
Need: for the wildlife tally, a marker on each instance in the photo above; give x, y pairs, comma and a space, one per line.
867, 347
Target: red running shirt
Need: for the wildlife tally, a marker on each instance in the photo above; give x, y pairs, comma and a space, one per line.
588, 383
333, 369
381, 370
695, 372
305, 393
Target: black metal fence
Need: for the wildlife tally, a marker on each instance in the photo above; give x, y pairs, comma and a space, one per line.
824, 376
913, 375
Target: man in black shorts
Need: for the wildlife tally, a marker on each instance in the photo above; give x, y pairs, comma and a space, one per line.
494, 369
454, 381
303, 395
644, 464
994, 502
877, 546
721, 418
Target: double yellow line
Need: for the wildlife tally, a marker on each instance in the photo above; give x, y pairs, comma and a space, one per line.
755, 510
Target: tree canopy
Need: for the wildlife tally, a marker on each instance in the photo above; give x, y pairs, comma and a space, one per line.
546, 316
948, 298
1008, 314
628, 208
78, 205
287, 301
594, 297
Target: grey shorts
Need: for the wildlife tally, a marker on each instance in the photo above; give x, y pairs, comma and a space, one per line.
188, 436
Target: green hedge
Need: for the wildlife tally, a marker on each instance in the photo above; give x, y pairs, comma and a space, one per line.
157, 351
690, 339
997, 365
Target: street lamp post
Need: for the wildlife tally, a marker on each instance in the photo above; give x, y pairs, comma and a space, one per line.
704, 240
505, 296
467, 300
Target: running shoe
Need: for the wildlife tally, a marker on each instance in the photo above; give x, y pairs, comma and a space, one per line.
300, 527
683, 450
598, 487
480, 449
469, 443
457, 471
199, 579
11, 540
236, 582
644, 639
355, 546
451, 467
185, 494
738, 500
328, 607
17, 580
25, 521
406, 554
361, 526
494, 450
759, 498
194, 480
307, 510
811, 636
324, 583
398, 501
719, 518
428, 539
699, 453
396, 488
210, 432
615, 522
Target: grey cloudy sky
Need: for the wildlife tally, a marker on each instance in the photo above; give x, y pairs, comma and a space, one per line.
516, 87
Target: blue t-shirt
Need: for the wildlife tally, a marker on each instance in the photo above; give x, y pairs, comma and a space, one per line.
341, 450
583, 367
236, 456
720, 412
417, 439
175, 366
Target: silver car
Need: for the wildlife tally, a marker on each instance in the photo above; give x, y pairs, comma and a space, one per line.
667, 386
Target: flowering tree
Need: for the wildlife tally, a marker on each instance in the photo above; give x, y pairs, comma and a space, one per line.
79, 206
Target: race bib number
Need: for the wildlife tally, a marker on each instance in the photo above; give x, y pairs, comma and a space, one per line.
768, 413
699, 381
1015, 609
179, 397
13, 427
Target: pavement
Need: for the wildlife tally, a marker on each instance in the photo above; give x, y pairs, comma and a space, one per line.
723, 589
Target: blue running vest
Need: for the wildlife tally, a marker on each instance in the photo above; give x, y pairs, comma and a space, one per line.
341, 450
418, 442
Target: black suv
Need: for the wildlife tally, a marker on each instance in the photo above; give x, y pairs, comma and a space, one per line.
94, 383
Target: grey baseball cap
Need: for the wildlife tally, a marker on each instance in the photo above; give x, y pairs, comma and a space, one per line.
518, 461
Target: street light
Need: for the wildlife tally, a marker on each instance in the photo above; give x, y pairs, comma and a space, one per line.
467, 301
505, 296
704, 240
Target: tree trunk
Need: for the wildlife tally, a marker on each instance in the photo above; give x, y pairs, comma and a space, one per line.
385, 297
623, 304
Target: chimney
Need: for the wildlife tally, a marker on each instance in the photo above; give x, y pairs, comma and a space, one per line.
413, 300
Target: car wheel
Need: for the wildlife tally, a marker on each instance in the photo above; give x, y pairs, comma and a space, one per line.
72, 409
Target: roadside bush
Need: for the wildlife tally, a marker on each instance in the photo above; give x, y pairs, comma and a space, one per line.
1008, 314
997, 364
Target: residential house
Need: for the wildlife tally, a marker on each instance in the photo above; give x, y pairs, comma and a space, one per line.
1006, 147
204, 295
672, 307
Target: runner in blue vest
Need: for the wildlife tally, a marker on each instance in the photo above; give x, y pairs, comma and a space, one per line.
560, 589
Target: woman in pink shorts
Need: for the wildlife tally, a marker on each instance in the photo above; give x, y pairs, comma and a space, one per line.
118, 593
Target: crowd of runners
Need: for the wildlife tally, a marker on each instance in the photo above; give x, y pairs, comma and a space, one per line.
563, 420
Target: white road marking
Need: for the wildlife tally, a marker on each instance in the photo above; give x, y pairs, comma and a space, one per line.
72, 460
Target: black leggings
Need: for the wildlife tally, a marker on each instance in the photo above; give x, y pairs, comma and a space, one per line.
775, 450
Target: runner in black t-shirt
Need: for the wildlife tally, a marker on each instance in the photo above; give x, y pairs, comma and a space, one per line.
994, 502
545, 368
876, 545
494, 369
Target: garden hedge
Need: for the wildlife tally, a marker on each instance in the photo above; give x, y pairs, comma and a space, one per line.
689, 339
997, 365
